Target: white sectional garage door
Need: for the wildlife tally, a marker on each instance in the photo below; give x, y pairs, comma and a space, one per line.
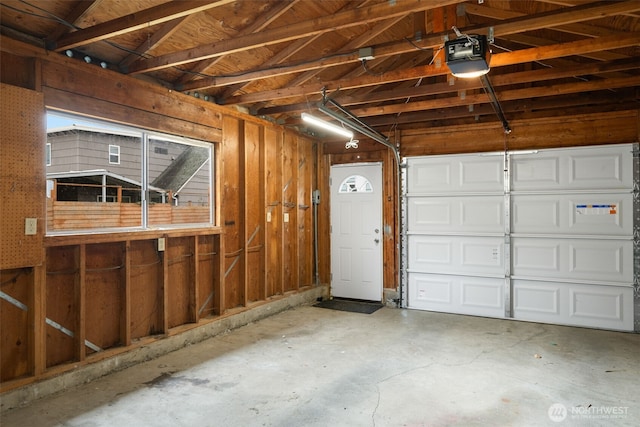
543, 236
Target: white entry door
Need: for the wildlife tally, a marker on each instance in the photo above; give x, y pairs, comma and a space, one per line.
356, 231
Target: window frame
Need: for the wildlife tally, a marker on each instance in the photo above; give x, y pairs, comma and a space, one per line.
47, 154
112, 154
145, 136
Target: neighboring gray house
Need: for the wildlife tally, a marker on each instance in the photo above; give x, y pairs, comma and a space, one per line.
88, 164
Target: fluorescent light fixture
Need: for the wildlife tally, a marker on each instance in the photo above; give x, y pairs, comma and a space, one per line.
468, 56
326, 125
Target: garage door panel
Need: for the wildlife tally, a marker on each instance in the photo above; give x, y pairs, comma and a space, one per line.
455, 174
587, 168
457, 214
456, 254
555, 244
457, 294
603, 306
571, 214
573, 259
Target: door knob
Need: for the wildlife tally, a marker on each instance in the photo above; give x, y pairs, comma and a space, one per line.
376, 240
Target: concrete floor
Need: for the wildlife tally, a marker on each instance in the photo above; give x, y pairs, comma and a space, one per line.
311, 366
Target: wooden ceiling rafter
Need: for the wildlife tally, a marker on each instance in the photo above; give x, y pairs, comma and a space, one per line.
80, 9
360, 41
517, 78
133, 22
259, 24
555, 103
505, 28
274, 61
166, 31
341, 20
438, 68
506, 95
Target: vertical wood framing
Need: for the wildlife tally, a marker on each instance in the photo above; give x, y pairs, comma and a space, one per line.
305, 213
62, 286
16, 307
104, 288
38, 339
125, 315
207, 272
164, 288
180, 262
146, 278
233, 212
389, 218
273, 211
324, 209
219, 297
289, 213
194, 297
80, 295
253, 219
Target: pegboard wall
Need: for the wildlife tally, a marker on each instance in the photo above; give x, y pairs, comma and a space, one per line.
22, 176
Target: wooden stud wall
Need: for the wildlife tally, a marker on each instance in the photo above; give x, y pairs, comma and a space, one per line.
207, 272
232, 211
254, 202
14, 318
179, 286
273, 212
289, 173
145, 272
62, 285
96, 296
305, 213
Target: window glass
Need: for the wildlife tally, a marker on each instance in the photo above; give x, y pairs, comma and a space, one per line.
356, 184
179, 180
96, 178
114, 154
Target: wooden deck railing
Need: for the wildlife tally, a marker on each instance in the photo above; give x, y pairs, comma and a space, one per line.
88, 215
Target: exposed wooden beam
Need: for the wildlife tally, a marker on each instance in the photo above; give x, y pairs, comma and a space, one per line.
80, 9
346, 19
578, 3
532, 92
470, 84
167, 29
400, 47
439, 68
260, 24
586, 12
517, 106
134, 21
297, 46
503, 14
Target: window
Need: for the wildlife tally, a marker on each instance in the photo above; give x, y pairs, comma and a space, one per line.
114, 154
48, 154
355, 184
174, 189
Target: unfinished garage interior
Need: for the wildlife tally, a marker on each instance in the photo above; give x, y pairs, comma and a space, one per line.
182, 182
